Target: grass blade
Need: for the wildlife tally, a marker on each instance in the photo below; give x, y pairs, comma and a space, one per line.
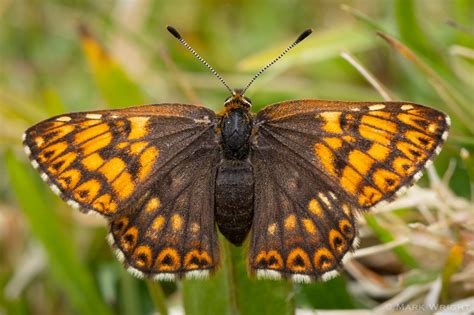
73, 278
117, 89
454, 101
386, 236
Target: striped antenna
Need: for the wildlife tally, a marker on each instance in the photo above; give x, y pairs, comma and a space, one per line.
302, 36
175, 33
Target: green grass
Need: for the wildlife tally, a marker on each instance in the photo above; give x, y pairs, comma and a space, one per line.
60, 56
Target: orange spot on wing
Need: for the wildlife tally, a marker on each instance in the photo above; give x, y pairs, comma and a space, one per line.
90, 133
122, 145
96, 143
272, 228
350, 179
337, 242
298, 261
105, 204
112, 168
324, 259
87, 191
332, 124
290, 222
378, 152
62, 162
196, 259
333, 142
380, 114
92, 162
385, 180
142, 256
269, 260
315, 207
49, 153
346, 228
138, 127
69, 179
374, 134
158, 223
410, 151
58, 133
129, 239
419, 139
369, 196
379, 123
123, 185
147, 160
119, 225
39, 141
309, 226
414, 121
168, 260
138, 147
153, 204
403, 166
348, 139
176, 222
360, 161
326, 157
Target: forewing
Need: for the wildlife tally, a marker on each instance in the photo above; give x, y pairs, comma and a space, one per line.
370, 150
103, 161
317, 162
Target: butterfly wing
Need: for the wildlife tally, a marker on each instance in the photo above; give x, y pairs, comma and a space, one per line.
148, 169
322, 161
173, 235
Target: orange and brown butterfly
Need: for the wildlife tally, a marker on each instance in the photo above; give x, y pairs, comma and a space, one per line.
292, 176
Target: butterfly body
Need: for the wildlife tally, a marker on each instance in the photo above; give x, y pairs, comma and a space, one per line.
234, 182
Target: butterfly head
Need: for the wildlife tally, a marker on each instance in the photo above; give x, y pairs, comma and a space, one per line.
237, 100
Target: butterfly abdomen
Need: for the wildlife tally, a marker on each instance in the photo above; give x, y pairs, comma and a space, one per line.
234, 199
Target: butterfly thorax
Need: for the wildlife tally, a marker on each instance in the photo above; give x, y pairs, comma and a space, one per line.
236, 127
234, 181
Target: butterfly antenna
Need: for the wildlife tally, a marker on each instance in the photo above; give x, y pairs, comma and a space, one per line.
302, 36
175, 33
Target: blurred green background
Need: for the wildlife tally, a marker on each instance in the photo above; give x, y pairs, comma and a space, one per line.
58, 56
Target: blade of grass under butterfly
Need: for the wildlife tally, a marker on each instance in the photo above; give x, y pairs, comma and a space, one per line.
230, 291
327, 295
208, 296
157, 295
71, 275
117, 89
256, 296
386, 236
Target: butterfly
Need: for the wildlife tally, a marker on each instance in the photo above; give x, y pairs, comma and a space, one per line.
289, 178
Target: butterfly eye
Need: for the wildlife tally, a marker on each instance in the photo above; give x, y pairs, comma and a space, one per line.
227, 100
247, 101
